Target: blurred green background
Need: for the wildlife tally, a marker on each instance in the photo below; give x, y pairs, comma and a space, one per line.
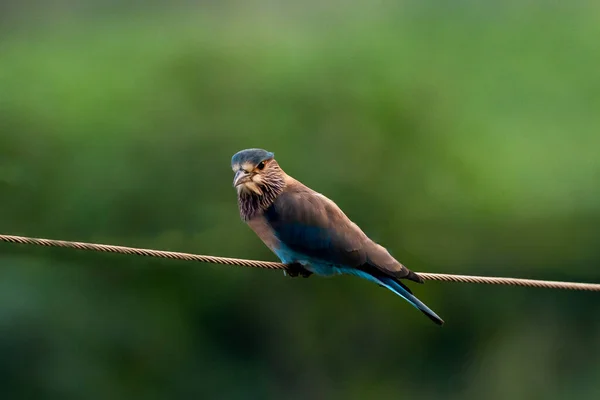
464, 137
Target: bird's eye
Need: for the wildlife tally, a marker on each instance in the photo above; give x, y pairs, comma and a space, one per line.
261, 165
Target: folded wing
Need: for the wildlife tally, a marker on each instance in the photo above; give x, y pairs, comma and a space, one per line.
311, 224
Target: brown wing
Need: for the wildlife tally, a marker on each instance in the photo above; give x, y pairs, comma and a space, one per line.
311, 224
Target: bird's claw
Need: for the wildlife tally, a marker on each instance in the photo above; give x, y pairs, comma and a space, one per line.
295, 270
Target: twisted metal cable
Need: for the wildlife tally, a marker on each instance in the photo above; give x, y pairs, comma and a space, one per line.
105, 248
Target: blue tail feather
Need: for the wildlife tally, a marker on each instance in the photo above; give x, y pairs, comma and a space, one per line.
397, 288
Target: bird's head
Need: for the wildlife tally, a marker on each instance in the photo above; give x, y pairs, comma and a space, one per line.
256, 173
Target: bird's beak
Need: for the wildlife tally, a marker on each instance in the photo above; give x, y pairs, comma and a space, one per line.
241, 177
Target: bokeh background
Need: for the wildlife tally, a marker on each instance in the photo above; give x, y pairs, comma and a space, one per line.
465, 137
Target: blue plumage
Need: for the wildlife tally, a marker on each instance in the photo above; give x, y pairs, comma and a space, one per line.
251, 156
403, 292
305, 228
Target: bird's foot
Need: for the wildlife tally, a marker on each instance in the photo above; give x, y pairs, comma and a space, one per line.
295, 270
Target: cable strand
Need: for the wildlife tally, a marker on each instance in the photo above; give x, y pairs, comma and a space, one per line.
105, 248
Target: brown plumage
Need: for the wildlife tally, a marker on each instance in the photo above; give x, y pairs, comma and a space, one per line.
303, 227
348, 245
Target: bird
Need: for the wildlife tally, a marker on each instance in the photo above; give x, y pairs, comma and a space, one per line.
308, 232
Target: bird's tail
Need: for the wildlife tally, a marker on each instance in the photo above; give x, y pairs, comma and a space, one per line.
398, 288
407, 295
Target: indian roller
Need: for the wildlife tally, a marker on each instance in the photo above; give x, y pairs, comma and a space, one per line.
309, 232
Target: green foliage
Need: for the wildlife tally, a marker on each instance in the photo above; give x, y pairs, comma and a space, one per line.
464, 140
